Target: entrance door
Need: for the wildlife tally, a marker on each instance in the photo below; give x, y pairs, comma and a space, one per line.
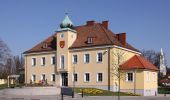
64, 79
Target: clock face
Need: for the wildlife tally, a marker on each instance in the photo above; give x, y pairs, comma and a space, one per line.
62, 44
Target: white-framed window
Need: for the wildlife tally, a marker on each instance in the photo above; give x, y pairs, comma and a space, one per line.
99, 57
75, 77
147, 76
129, 76
89, 40
153, 77
87, 77
62, 35
33, 78
53, 60
53, 77
43, 61
33, 61
99, 77
86, 58
62, 61
43, 77
75, 59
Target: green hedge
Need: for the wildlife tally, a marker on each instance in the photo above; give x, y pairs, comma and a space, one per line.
164, 90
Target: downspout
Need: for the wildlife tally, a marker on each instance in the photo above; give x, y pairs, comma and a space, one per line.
134, 81
109, 68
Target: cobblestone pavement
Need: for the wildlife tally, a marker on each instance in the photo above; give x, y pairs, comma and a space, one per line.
58, 97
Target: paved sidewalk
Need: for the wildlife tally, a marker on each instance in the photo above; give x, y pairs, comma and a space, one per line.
58, 97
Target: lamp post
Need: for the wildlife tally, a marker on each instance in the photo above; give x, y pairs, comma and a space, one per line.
73, 79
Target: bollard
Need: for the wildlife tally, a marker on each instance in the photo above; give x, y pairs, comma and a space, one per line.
155, 93
72, 94
62, 96
82, 93
165, 94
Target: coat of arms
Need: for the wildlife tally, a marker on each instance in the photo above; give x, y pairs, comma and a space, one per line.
62, 44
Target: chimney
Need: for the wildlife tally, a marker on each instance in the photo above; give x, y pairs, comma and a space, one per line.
121, 38
105, 24
92, 22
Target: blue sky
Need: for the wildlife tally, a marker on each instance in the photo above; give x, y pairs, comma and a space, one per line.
24, 23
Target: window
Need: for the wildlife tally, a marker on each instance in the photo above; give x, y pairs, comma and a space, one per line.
74, 59
62, 62
89, 40
86, 77
43, 61
33, 61
86, 58
43, 77
130, 77
99, 57
75, 77
147, 76
62, 36
53, 77
33, 78
153, 77
99, 77
45, 45
53, 60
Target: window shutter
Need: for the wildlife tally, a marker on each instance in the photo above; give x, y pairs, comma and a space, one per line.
51, 77
133, 77
32, 62
32, 78
73, 59
84, 58
85, 77
126, 77
41, 61
41, 77
51, 60
73, 77
97, 57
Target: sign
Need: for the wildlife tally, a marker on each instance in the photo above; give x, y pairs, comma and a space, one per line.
62, 44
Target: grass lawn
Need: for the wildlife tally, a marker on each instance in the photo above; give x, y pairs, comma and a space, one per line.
3, 86
164, 90
99, 92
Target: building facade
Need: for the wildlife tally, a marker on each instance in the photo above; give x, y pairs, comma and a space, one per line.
88, 56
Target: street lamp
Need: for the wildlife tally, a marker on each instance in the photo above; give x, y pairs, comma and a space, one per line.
73, 79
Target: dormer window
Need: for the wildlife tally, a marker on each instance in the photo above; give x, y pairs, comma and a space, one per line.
45, 45
89, 40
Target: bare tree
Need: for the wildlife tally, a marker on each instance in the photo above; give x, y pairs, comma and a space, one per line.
115, 71
7, 65
154, 58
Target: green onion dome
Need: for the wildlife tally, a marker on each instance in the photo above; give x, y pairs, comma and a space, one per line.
66, 23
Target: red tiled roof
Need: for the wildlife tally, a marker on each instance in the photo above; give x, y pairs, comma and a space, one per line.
51, 45
101, 37
137, 62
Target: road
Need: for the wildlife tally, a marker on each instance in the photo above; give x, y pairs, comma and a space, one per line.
54, 97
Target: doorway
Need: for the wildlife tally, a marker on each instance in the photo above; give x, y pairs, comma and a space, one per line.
64, 79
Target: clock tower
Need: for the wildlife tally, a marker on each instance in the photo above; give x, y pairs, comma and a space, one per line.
66, 35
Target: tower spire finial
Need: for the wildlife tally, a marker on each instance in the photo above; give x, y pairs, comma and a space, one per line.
66, 23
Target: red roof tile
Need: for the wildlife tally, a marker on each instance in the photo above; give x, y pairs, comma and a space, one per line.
137, 62
51, 45
101, 37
